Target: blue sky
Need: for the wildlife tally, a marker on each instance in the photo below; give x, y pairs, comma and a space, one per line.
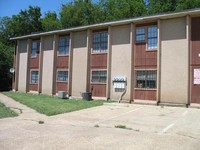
13, 7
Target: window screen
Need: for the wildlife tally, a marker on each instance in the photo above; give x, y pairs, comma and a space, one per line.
99, 76
152, 37
145, 79
63, 45
100, 42
34, 76
62, 75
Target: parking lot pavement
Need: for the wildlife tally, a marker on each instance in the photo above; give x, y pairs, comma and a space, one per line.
142, 127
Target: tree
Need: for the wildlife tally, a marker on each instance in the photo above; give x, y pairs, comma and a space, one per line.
50, 22
80, 12
26, 22
119, 9
6, 53
187, 4
160, 6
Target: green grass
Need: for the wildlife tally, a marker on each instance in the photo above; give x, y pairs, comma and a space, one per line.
50, 105
6, 112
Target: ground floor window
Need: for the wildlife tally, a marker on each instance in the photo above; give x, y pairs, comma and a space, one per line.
146, 79
62, 75
34, 76
99, 76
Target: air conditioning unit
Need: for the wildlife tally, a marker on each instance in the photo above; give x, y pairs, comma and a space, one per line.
62, 94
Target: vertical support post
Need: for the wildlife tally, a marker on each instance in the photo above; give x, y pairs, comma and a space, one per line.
109, 61
132, 42
55, 47
70, 65
28, 64
40, 65
159, 63
88, 60
188, 36
16, 66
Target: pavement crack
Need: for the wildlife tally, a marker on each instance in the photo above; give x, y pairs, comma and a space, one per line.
19, 109
188, 136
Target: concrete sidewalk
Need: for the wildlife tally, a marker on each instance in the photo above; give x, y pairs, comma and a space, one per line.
23, 111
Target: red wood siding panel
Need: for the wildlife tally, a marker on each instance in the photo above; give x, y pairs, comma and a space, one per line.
195, 60
99, 61
145, 58
61, 86
145, 94
98, 90
33, 87
62, 62
34, 62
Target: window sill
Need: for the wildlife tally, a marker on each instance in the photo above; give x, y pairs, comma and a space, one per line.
98, 83
34, 56
99, 53
59, 55
62, 81
145, 89
33, 83
150, 50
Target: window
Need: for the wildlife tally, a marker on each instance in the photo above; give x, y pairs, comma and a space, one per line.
152, 37
35, 48
62, 75
34, 76
140, 34
63, 45
100, 42
99, 76
146, 79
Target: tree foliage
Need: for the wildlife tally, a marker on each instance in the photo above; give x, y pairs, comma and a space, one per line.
80, 12
50, 22
6, 53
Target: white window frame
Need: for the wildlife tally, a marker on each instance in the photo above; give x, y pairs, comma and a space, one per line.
92, 82
34, 70
99, 51
67, 78
65, 46
153, 48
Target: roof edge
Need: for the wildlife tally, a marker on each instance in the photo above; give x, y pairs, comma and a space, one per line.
114, 23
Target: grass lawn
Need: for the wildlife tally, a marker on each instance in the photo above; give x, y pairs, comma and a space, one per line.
50, 105
6, 112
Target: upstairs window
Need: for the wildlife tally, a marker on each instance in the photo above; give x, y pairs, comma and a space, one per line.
148, 35
63, 48
99, 76
152, 37
34, 76
35, 48
62, 75
146, 79
140, 34
100, 42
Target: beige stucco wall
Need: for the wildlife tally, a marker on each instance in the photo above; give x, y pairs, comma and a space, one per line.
22, 65
174, 61
121, 58
47, 70
79, 73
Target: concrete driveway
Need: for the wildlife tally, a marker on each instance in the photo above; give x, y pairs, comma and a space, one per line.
147, 127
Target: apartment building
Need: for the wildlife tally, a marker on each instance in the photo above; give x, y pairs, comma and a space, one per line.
153, 58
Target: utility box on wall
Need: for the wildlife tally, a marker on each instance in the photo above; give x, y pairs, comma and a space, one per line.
119, 82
